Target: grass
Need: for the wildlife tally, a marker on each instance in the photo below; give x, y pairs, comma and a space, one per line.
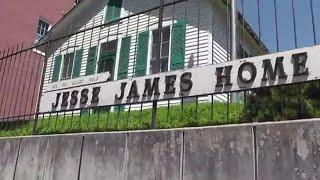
191, 115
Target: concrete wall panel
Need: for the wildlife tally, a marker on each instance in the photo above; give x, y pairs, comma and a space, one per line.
8, 155
289, 151
154, 155
219, 154
49, 158
32, 158
103, 157
63, 158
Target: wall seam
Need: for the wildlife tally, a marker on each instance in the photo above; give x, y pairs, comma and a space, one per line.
80, 161
255, 153
17, 159
47, 158
126, 158
182, 155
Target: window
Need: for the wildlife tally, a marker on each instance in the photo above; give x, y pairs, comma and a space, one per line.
67, 66
70, 64
43, 28
113, 10
160, 50
77, 1
107, 58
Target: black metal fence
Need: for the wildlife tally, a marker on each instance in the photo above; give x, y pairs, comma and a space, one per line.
272, 26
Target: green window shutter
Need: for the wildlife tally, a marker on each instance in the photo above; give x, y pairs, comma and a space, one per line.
178, 45
56, 68
113, 11
102, 59
142, 54
109, 14
77, 63
124, 58
91, 61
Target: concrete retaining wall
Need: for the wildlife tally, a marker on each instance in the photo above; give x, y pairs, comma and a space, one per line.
269, 151
219, 153
289, 151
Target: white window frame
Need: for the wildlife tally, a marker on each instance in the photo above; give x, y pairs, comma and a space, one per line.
165, 24
105, 40
63, 53
62, 66
77, 2
39, 36
46, 21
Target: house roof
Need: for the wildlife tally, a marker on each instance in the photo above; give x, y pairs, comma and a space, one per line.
81, 13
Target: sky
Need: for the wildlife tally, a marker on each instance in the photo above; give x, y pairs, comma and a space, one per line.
286, 35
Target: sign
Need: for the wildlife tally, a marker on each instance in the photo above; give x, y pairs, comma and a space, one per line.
86, 80
288, 67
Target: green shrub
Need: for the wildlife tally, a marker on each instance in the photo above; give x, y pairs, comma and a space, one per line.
100, 120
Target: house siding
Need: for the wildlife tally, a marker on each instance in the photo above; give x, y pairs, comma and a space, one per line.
207, 39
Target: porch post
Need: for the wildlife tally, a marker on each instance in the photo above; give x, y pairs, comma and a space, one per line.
233, 39
233, 30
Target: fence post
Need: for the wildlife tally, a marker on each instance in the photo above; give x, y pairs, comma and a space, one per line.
44, 67
154, 115
155, 103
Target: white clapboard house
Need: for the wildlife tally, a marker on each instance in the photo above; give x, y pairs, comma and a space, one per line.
122, 37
